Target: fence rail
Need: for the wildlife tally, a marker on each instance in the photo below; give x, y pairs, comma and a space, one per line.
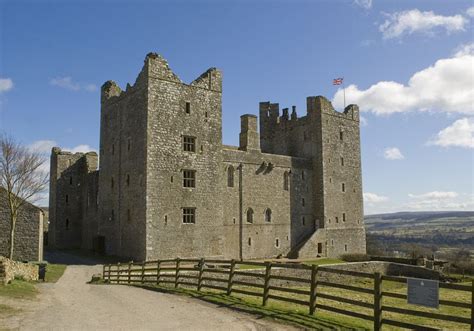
220, 275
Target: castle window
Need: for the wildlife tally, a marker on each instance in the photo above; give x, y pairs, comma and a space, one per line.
332, 242
128, 180
67, 223
268, 215
189, 144
342, 161
188, 107
112, 215
343, 217
304, 221
202, 148
113, 149
329, 220
330, 179
343, 186
166, 219
250, 241
302, 202
112, 182
250, 215
345, 248
70, 180
286, 181
341, 135
205, 114
302, 175
189, 215
230, 176
129, 144
277, 243
337, 219
129, 215
189, 178
67, 199
171, 178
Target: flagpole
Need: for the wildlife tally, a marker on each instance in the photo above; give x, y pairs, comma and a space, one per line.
344, 91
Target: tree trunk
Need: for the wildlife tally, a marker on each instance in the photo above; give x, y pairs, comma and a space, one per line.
12, 236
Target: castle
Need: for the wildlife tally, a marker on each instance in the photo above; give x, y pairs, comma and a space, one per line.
167, 187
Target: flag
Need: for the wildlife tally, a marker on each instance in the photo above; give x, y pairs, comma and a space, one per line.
337, 81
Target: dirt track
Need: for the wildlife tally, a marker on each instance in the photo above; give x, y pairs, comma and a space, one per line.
71, 304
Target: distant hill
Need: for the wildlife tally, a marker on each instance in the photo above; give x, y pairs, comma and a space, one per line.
447, 229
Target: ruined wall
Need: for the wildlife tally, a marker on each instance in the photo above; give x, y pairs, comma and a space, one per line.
10, 270
177, 110
28, 242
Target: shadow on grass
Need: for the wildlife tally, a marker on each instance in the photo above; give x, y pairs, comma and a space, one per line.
238, 304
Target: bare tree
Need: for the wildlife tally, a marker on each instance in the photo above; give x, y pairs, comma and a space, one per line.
21, 177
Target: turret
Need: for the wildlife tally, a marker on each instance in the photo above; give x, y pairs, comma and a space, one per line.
249, 138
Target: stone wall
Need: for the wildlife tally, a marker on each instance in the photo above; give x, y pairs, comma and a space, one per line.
28, 242
10, 270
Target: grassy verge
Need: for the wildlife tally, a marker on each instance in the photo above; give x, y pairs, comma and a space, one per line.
323, 261
54, 272
19, 289
276, 311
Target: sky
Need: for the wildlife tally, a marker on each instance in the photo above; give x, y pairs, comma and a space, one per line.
409, 65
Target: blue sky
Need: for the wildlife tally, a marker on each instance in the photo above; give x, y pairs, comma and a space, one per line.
408, 64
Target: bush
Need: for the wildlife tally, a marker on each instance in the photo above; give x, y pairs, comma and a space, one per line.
355, 257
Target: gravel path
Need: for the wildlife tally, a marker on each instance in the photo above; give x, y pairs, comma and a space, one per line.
71, 304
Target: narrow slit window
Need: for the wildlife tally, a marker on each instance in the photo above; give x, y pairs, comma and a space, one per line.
343, 217
112, 182
189, 144
286, 181
112, 215
345, 248
67, 223
188, 107
67, 199
230, 176
341, 135
128, 180
250, 215
189, 215
129, 215
189, 178
129, 144
250, 241
343, 187
70, 180
277, 243
268, 215
342, 161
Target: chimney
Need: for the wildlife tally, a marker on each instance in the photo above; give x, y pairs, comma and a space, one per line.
249, 138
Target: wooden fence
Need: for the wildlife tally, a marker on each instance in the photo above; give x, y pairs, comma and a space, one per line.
221, 275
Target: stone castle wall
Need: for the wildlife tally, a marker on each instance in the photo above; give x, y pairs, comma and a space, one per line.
28, 242
10, 270
292, 169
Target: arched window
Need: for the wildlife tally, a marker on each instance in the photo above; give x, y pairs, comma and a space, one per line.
286, 181
268, 215
250, 215
230, 176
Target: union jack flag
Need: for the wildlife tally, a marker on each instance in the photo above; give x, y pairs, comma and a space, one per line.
337, 81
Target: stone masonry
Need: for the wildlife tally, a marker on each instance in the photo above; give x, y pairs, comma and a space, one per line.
168, 187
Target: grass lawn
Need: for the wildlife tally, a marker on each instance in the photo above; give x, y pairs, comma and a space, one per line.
298, 314
19, 289
323, 261
54, 272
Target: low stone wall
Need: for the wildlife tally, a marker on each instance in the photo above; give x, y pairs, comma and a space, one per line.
10, 270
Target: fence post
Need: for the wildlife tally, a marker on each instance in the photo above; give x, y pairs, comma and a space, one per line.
266, 285
118, 273
143, 272
103, 272
108, 274
472, 305
158, 272
314, 284
176, 277
129, 272
377, 301
231, 277
201, 271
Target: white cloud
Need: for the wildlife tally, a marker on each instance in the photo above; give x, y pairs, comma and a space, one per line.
374, 198
411, 21
439, 200
434, 195
366, 4
363, 121
42, 146
6, 84
393, 153
446, 86
458, 134
69, 84
80, 149
470, 12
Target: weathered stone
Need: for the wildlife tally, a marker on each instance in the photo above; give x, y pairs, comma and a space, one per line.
288, 179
